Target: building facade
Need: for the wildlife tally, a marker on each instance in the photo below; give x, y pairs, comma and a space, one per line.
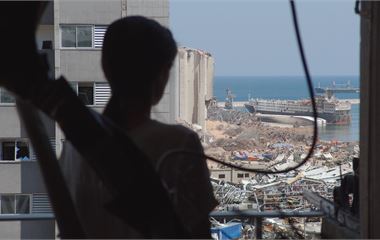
71, 35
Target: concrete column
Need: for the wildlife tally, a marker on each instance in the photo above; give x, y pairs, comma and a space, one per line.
183, 83
123, 8
210, 78
202, 90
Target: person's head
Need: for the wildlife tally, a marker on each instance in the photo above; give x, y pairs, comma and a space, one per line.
137, 56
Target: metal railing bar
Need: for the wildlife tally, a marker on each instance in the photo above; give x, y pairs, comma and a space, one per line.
26, 217
266, 214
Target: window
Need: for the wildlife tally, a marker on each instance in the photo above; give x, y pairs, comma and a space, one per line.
246, 175
99, 32
15, 203
22, 203
68, 36
14, 150
8, 151
240, 175
82, 36
76, 36
8, 204
22, 151
102, 93
6, 97
92, 93
86, 93
222, 176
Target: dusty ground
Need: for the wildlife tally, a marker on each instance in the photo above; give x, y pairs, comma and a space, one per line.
228, 134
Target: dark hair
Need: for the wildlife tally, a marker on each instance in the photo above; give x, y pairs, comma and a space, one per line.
135, 51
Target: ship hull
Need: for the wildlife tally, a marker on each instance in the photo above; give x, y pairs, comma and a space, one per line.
331, 118
342, 90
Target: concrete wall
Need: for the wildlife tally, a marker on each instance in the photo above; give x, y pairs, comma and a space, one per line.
10, 178
47, 17
215, 173
195, 82
38, 229
81, 65
27, 230
10, 126
210, 78
165, 110
20, 177
23, 177
231, 175
45, 33
156, 9
31, 178
86, 12
76, 65
10, 230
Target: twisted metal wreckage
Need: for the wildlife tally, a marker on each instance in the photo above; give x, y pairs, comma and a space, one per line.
303, 191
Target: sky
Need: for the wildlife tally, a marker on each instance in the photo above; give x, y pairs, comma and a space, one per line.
256, 37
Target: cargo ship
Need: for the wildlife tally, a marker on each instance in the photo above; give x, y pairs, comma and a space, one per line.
328, 108
337, 88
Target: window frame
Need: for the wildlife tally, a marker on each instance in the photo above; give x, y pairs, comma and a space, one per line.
92, 36
95, 94
93, 26
14, 195
60, 36
75, 86
93, 39
30, 196
76, 36
6, 103
15, 141
87, 84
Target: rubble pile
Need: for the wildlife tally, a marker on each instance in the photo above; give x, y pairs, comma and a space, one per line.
241, 139
230, 116
257, 139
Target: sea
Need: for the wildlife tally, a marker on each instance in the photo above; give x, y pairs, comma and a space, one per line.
293, 88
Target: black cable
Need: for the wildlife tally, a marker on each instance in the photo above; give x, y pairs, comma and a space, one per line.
314, 107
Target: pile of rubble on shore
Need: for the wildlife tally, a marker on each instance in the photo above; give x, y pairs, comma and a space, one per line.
231, 116
235, 135
239, 138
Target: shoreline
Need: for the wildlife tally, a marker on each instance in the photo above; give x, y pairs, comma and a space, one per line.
353, 101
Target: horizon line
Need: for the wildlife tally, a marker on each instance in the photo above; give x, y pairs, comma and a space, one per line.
343, 75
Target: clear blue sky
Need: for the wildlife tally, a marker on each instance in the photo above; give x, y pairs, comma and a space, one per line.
256, 37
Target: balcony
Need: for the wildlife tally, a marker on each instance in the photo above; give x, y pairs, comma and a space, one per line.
252, 218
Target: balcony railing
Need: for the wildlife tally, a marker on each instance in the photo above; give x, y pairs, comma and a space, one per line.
26, 217
254, 217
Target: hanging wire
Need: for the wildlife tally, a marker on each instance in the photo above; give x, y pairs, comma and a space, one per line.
313, 103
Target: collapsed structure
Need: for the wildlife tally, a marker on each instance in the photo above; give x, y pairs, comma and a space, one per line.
239, 138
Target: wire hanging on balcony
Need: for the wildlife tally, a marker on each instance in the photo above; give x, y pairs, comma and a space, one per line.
314, 107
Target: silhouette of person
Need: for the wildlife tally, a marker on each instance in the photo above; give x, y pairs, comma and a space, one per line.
136, 58
113, 162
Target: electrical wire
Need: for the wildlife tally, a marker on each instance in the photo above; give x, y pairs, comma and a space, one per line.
313, 103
